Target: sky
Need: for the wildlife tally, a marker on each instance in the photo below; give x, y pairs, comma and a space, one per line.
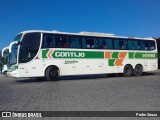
132, 18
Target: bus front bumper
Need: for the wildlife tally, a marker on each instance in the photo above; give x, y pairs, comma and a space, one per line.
13, 73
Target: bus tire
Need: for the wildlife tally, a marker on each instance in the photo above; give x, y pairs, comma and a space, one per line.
138, 70
128, 71
51, 73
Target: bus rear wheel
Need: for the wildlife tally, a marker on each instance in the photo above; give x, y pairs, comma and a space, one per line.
51, 73
127, 71
138, 70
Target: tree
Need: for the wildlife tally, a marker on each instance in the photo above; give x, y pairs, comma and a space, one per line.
3, 60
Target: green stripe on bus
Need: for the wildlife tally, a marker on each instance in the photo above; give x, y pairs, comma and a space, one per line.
131, 54
77, 54
44, 53
115, 54
96, 54
111, 62
73, 54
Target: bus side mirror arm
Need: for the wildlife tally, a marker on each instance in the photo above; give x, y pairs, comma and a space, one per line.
11, 44
4, 50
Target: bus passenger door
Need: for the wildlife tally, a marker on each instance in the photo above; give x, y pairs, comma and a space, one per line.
32, 68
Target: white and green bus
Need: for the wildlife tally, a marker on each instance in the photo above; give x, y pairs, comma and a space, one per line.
49, 54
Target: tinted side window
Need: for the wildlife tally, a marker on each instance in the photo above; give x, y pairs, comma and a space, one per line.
48, 41
137, 45
141, 45
55, 41
120, 44
89, 43
152, 45
62, 41
75, 42
105, 43
144, 45
130, 45
134, 45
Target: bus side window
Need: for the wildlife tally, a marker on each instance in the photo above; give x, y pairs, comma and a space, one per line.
144, 45
130, 45
88, 43
96, 43
151, 45
84, 45
44, 41
136, 45
104, 46
59, 43
62, 41
116, 44
105, 43
102, 43
109, 44
139, 45
65, 43
121, 46
49, 42
74, 42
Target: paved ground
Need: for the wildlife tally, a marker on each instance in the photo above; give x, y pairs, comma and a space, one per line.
87, 93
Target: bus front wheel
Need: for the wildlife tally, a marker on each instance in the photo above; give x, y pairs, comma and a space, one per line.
127, 71
138, 70
51, 73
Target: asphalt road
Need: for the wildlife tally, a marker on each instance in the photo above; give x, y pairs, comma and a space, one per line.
87, 93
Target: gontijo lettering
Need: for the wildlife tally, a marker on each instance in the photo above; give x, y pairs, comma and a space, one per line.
70, 54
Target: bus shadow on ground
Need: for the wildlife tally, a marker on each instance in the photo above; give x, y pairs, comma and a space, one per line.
64, 78
82, 77
29, 80
148, 74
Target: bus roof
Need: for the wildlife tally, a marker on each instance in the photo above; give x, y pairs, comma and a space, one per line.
92, 34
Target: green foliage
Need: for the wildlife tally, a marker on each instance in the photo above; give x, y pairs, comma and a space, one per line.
3, 61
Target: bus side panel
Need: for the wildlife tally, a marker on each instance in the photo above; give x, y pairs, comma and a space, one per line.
31, 69
90, 66
151, 64
103, 66
72, 67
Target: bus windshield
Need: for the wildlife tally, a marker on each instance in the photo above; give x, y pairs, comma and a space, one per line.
18, 37
13, 55
29, 47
